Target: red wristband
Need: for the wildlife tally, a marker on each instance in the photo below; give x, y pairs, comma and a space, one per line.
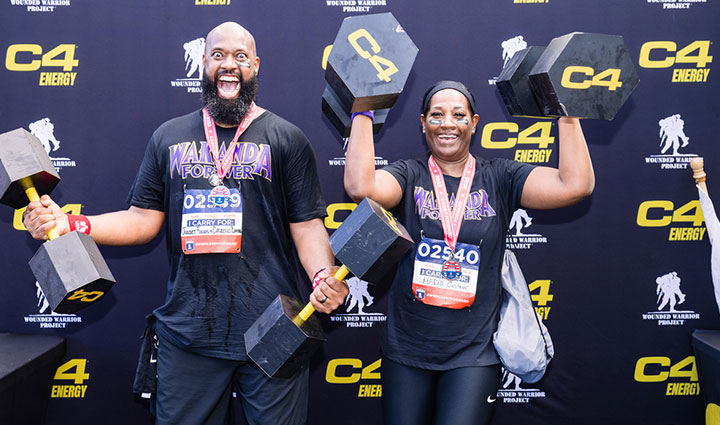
317, 278
79, 223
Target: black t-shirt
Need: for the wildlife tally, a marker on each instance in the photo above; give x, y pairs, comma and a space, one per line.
438, 338
213, 298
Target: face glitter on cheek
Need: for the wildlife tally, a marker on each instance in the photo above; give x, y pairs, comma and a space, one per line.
244, 64
463, 121
434, 121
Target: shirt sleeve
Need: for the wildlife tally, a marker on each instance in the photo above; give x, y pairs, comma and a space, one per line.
401, 171
147, 190
302, 190
511, 177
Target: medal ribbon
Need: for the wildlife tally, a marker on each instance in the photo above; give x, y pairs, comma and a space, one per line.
223, 165
451, 220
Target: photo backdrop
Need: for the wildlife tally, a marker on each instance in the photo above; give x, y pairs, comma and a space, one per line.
93, 79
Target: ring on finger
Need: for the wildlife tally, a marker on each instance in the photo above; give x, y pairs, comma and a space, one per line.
325, 298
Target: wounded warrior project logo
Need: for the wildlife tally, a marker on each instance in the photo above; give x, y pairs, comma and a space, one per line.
672, 140
359, 298
363, 6
44, 130
676, 4
511, 46
517, 238
512, 391
340, 161
671, 296
40, 5
194, 50
48, 319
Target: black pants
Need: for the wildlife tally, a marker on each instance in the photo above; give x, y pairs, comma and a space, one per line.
462, 396
194, 389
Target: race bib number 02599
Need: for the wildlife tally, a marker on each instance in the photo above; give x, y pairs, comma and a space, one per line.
443, 279
211, 221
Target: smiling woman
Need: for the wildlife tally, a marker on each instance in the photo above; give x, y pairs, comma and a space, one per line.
444, 303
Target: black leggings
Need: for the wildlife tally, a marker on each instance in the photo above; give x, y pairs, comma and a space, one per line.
462, 396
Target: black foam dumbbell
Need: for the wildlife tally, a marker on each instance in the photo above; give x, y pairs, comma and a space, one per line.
69, 269
583, 75
367, 69
368, 243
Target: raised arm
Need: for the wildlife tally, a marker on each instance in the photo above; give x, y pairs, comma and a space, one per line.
311, 241
134, 226
574, 178
361, 178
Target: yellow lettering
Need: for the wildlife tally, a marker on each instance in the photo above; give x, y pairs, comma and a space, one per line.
331, 371
332, 209
641, 365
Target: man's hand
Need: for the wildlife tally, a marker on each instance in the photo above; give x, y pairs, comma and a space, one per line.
41, 217
330, 293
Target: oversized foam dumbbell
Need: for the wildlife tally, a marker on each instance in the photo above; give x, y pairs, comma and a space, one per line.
514, 85
579, 74
69, 269
367, 244
339, 116
367, 69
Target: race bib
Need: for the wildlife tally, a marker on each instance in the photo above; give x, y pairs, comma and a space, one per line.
443, 279
211, 221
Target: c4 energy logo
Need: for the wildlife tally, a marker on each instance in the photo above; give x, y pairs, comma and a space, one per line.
363, 6
40, 5
517, 238
44, 130
542, 297
512, 392
46, 60
679, 379
676, 4
664, 213
194, 50
689, 64
359, 298
508, 135
336, 214
670, 295
352, 371
72, 377
510, 47
212, 2
672, 139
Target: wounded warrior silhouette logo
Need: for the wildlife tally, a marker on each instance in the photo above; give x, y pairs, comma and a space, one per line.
193, 56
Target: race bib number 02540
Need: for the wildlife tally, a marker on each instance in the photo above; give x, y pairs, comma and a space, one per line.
444, 279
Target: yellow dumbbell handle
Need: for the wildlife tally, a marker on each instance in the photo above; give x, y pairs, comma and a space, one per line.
33, 196
308, 310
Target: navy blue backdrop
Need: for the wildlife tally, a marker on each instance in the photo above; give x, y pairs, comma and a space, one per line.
621, 279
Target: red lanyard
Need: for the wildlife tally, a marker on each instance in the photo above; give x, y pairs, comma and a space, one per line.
223, 165
451, 220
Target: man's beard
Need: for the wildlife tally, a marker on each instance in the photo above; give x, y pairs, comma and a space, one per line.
227, 111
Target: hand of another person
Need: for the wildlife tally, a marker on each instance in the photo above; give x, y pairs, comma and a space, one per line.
41, 217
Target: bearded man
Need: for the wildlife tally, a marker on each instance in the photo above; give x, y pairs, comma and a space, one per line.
236, 188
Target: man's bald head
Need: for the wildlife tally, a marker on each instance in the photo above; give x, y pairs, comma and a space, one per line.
232, 30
